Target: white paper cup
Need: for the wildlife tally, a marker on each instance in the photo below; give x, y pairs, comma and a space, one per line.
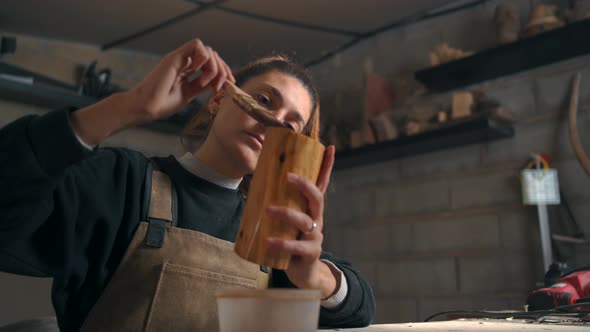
262, 310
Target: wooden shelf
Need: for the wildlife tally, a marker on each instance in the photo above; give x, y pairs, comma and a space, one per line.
42, 95
48, 93
546, 48
455, 133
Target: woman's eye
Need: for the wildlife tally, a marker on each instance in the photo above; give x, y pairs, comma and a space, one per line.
291, 126
264, 100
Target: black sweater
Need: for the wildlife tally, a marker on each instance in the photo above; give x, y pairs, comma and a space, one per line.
69, 213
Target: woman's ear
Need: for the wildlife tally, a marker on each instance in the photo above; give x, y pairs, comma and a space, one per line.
215, 101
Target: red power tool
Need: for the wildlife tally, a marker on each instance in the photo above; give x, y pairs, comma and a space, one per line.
572, 288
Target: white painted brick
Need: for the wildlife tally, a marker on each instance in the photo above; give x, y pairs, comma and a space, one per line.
485, 189
585, 83
520, 273
429, 196
402, 239
519, 230
550, 137
433, 276
395, 310
553, 83
480, 275
553, 91
368, 270
367, 174
578, 254
581, 211
351, 204
385, 199
440, 162
573, 181
337, 240
499, 274
412, 198
517, 303
515, 94
475, 232
371, 241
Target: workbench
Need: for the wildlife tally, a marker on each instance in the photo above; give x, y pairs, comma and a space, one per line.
471, 325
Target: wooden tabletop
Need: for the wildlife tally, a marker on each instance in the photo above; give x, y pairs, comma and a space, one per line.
470, 325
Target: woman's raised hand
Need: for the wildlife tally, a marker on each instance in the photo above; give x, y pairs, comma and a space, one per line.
163, 92
167, 88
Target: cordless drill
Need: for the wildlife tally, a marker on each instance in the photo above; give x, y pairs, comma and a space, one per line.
571, 288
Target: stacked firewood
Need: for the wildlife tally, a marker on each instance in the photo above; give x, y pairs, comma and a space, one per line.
383, 121
542, 17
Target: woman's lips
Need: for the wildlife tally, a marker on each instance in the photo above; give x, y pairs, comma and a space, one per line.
257, 138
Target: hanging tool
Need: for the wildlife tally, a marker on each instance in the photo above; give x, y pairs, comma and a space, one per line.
540, 187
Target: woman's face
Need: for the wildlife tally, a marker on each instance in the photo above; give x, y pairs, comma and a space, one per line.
239, 135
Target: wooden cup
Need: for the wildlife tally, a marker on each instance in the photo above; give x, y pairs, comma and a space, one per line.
283, 151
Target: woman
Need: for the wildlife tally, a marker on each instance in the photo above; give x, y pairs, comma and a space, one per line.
97, 220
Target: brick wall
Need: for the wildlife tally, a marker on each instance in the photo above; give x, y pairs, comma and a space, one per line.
447, 230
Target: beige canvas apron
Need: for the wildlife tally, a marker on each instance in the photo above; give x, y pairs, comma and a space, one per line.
168, 277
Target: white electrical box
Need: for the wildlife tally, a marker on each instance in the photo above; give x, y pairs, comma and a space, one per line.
540, 187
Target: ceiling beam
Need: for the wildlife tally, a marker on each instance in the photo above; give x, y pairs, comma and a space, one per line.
203, 7
399, 23
281, 21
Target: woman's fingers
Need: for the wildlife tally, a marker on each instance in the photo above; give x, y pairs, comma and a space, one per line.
209, 70
230, 76
190, 56
218, 81
296, 218
315, 198
326, 169
194, 56
307, 250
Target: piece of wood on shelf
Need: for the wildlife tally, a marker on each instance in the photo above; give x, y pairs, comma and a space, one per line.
462, 104
383, 127
368, 136
415, 127
356, 139
423, 112
475, 129
543, 49
507, 20
333, 138
442, 117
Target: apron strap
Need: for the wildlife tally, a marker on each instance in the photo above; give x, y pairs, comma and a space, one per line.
161, 207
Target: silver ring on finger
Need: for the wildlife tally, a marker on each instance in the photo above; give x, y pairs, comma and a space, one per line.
314, 225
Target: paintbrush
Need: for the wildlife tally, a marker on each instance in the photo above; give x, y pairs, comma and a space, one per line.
251, 106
